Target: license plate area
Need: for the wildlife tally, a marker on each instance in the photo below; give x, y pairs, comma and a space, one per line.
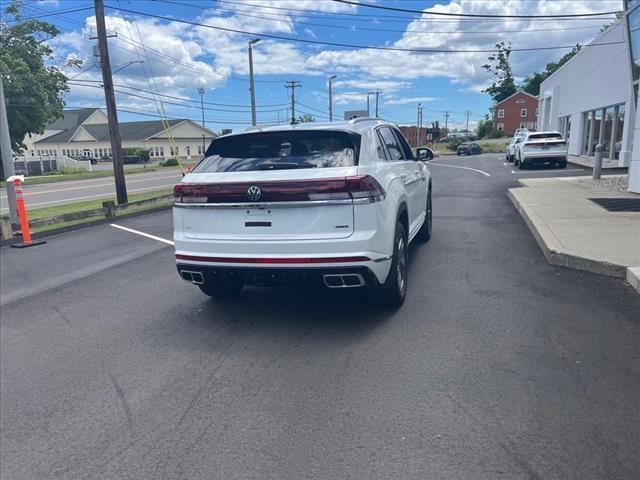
280, 223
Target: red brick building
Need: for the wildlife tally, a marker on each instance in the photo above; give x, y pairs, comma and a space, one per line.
520, 110
427, 135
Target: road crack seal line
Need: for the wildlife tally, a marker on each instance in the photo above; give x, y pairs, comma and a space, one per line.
123, 401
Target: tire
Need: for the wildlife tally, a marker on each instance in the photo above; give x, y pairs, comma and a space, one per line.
221, 290
522, 165
424, 234
394, 290
562, 164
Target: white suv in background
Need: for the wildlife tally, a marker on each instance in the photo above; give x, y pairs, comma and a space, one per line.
511, 148
332, 204
539, 148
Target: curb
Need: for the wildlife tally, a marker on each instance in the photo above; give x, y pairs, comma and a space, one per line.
633, 277
79, 226
554, 254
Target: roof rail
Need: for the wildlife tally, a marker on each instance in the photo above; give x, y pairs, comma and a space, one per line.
365, 119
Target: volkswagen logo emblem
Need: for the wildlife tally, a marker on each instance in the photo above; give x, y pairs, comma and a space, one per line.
254, 193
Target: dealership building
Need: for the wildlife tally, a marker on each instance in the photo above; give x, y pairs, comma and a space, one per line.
590, 100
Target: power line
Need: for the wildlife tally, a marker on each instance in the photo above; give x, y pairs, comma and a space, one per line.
385, 18
473, 15
246, 107
346, 45
284, 17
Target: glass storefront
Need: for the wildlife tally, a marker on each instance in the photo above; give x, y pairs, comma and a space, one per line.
603, 125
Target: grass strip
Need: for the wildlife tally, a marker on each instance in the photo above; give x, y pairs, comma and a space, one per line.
91, 204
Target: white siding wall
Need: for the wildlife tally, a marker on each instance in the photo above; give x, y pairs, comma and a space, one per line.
597, 77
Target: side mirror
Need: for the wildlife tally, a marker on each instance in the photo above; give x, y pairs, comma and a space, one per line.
424, 154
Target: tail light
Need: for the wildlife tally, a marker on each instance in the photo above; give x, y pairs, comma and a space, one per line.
363, 187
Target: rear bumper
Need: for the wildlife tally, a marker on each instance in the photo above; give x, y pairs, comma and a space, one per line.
275, 276
544, 157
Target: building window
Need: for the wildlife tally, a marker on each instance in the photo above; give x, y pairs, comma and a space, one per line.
520, 101
523, 124
188, 150
500, 127
200, 150
501, 113
523, 113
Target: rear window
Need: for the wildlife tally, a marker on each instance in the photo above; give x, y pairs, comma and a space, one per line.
281, 150
542, 136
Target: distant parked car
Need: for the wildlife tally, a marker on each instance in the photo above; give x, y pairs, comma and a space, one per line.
540, 148
511, 148
469, 149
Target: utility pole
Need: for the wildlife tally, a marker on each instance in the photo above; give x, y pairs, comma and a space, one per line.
331, 98
110, 100
368, 108
446, 121
418, 124
201, 93
7, 158
252, 87
467, 114
293, 84
378, 92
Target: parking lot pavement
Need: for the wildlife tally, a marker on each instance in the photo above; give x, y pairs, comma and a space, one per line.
497, 366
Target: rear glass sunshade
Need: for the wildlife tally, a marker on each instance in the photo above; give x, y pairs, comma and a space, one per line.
618, 204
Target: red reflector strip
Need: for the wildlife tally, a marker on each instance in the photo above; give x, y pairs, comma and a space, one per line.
263, 260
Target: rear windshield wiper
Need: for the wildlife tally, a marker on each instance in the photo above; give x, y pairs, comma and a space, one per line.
284, 166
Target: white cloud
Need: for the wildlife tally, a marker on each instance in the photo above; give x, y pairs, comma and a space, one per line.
410, 100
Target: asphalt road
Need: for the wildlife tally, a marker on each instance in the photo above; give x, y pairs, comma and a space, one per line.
497, 366
50, 194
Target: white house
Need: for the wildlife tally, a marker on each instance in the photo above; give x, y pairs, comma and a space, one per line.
85, 132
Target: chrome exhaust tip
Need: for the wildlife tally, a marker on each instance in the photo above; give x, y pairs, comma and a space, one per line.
343, 280
192, 277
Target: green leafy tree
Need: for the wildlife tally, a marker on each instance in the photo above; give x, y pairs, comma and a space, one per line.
33, 87
307, 117
531, 83
504, 85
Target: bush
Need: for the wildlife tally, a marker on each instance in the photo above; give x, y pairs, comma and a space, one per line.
170, 162
67, 171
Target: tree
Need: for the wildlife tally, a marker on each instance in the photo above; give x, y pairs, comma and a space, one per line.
33, 90
504, 85
307, 117
532, 82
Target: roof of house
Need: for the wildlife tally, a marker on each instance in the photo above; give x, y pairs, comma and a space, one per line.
71, 119
128, 131
513, 95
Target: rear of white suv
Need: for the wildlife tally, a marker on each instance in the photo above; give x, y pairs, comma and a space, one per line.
541, 148
328, 204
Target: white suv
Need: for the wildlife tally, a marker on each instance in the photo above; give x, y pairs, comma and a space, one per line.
335, 204
541, 147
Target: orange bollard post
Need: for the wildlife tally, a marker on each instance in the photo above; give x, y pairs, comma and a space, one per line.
22, 214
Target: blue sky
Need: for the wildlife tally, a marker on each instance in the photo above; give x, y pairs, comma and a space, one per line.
178, 58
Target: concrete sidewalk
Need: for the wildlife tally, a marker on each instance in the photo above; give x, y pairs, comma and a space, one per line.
575, 232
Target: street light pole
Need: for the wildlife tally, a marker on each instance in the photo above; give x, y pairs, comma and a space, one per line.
368, 108
7, 158
201, 92
251, 85
418, 125
331, 98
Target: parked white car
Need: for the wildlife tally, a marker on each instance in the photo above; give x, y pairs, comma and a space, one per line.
511, 148
540, 148
331, 204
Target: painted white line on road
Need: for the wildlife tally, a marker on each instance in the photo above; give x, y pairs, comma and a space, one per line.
142, 234
463, 168
86, 197
554, 170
